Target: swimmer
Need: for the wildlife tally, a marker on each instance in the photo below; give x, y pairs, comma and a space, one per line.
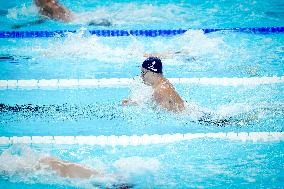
52, 9
76, 171
164, 94
68, 169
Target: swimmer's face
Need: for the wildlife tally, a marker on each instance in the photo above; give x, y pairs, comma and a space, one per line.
145, 76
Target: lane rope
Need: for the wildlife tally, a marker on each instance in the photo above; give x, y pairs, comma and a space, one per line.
142, 33
125, 82
145, 139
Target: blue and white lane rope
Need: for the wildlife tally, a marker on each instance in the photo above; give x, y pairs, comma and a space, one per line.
125, 82
143, 33
135, 140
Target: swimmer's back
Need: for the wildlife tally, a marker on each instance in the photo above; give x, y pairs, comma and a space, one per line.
166, 96
52, 9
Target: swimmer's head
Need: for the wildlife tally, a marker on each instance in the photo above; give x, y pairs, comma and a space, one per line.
151, 70
153, 64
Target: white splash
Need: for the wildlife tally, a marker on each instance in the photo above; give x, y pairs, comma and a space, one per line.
234, 109
195, 110
139, 92
22, 12
196, 43
238, 113
119, 14
137, 165
19, 158
82, 45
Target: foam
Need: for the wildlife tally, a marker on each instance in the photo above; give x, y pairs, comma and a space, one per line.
17, 13
19, 158
90, 48
119, 14
140, 13
230, 110
139, 92
137, 165
193, 43
196, 43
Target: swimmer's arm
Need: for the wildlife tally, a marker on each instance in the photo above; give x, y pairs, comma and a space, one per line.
68, 169
162, 54
32, 23
102, 22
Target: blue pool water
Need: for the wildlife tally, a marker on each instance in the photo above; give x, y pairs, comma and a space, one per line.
58, 111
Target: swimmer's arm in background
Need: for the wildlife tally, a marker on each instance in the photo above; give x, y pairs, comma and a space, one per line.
77, 171
169, 55
32, 23
163, 54
102, 22
69, 169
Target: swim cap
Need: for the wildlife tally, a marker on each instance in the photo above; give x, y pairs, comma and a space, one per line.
153, 64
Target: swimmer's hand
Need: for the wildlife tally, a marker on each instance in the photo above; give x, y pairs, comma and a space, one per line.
127, 102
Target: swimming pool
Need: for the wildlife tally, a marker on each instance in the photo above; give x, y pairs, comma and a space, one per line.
62, 96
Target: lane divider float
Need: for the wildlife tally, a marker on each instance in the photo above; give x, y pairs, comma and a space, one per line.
145, 139
142, 33
125, 82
